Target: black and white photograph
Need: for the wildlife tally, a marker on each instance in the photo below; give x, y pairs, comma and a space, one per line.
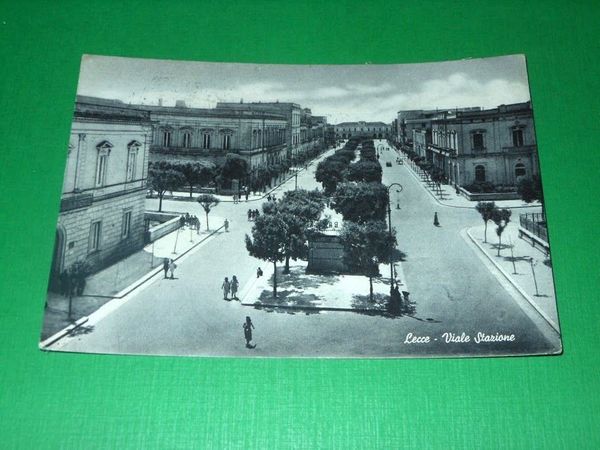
273, 210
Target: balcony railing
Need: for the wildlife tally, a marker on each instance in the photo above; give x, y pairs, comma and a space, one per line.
76, 201
535, 223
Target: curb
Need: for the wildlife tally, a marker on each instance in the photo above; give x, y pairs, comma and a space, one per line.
62, 333
515, 285
312, 308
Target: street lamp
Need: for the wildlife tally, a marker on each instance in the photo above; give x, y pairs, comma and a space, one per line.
398, 190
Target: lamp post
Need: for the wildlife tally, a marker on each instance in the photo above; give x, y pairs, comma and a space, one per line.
399, 186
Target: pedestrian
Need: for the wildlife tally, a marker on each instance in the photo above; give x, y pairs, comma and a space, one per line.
226, 286
269, 197
182, 221
436, 222
256, 214
249, 215
172, 267
259, 272
234, 287
226, 225
166, 266
248, 326
247, 192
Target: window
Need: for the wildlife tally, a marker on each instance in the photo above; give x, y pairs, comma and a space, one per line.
478, 141
126, 227
101, 169
131, 162
520, 170
104, 149
166, 138
517, 137
479, 173
133, 148
206, 140
226, 140
187, 139
95, 235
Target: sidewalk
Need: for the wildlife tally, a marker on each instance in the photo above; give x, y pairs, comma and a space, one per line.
299, 290
523, 256
120, 278
447, 195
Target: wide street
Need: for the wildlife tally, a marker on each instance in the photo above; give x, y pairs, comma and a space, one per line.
454, 289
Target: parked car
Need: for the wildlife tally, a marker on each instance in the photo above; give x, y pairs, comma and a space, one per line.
388, 164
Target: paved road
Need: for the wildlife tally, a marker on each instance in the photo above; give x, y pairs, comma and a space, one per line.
449, 282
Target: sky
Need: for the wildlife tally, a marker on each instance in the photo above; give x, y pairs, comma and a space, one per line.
370, 92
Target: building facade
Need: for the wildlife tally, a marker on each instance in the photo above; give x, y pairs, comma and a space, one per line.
374, 130
101, 216
208, 135
496, 145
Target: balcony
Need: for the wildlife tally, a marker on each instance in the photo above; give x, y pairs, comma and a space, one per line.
76, 201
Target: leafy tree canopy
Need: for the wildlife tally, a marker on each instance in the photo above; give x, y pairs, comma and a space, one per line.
361, 202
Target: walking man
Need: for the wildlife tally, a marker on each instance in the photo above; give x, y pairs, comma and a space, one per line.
234, 287
248, 326
226, 286
226, 225
436, 222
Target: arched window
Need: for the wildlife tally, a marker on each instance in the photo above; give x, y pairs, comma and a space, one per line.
132, 152
479, 173
520, 170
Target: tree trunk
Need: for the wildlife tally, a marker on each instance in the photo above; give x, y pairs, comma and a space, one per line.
274, 279
160, 198
191, 188
371, 288
499, 243
287, 264
207, 229
485, 231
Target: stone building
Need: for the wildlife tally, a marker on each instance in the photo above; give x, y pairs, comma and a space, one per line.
496, 145
291, 112
101, 216
207, 135
374, 130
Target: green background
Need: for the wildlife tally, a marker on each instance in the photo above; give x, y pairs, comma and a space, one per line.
53, 400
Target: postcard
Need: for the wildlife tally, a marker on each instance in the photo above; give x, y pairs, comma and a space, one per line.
260, 210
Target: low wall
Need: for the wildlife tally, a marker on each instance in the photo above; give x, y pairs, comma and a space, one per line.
489, 196
168, 223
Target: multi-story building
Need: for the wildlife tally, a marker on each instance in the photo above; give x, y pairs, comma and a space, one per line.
207, 135
495, 145
101, 216
292, 112
375, 130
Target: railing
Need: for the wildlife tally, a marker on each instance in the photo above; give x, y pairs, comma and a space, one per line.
535, 223
76, 201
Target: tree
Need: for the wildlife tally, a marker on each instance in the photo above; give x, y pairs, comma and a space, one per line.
268, 241
194, 174
208, 202
234, 168
530, 189
329, 173
365, 170
299, 210
360, 202
163, 177
486, 209
365, 246
501, 217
